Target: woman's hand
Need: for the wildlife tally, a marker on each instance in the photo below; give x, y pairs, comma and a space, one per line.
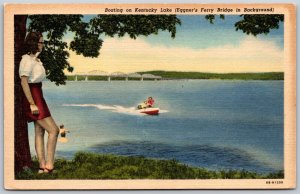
34, 109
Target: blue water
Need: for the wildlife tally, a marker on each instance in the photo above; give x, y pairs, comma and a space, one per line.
205, 123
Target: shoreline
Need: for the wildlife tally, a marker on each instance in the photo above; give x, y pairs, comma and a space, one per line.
173, 75
89, 165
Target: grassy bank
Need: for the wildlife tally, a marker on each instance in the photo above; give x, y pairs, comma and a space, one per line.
225, 76
96, 166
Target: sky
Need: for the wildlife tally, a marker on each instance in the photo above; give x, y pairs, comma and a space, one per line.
198, 46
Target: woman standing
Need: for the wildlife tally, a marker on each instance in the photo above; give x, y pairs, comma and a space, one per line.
32, 73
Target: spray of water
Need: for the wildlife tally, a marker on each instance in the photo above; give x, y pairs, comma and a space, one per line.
114, 108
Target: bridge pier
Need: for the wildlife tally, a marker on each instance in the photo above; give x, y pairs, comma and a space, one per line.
118, 76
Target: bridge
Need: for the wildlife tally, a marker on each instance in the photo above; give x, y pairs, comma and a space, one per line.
114, 75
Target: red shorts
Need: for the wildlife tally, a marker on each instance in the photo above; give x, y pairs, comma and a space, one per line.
37, 95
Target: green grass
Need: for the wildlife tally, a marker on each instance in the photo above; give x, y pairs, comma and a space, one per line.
97, 166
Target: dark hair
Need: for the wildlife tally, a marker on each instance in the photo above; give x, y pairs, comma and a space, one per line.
61, 126
31, 42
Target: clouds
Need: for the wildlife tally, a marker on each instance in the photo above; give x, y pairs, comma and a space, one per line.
127, 55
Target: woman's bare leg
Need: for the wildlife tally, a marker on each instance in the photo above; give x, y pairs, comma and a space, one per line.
49, 125
39, 144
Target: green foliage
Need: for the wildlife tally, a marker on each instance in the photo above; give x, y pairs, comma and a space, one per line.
259, 24
96, 166
134, 25
88, 45
117, 78
212, 17
254, 23
225, 76
275, 175
55, 55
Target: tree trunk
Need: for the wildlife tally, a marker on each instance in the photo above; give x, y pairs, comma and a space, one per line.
21, 141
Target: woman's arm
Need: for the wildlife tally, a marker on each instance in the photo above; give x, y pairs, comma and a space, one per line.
24, 83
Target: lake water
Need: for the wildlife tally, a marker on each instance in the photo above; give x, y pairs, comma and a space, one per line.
205, 123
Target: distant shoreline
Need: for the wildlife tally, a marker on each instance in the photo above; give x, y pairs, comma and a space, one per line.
173, 75
228, 76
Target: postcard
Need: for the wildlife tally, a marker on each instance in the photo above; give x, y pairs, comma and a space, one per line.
149, 96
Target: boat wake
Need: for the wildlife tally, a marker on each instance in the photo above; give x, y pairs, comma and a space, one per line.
114, 108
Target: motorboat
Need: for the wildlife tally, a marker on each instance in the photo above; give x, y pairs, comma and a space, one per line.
149, 111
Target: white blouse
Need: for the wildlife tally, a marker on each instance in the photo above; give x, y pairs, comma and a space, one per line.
32, 67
